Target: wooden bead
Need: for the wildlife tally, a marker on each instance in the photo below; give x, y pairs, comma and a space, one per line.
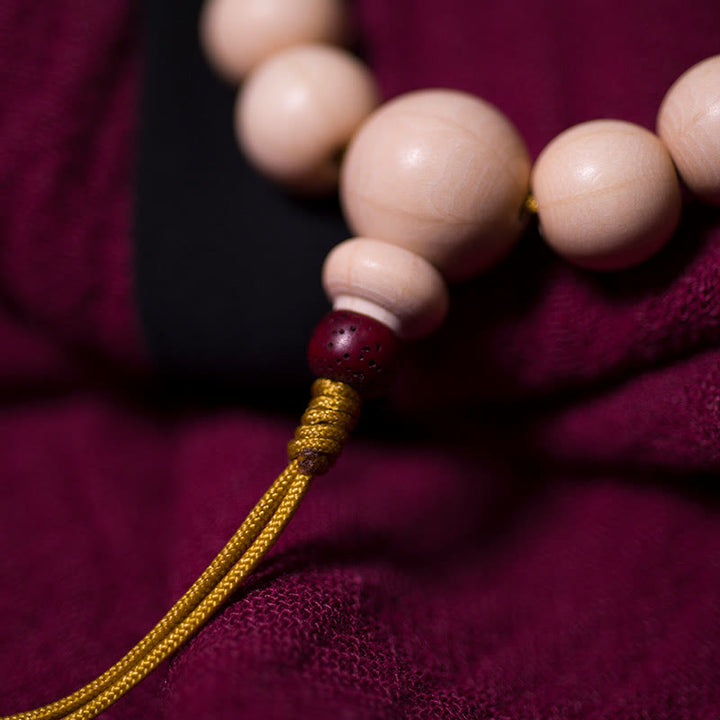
237, 35
441, 173
689, 125
355, 349
607, 194
298, 110
393, 285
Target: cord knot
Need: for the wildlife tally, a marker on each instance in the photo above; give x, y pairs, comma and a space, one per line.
325, 427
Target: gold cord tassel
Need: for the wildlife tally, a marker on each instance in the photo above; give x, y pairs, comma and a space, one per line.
323, 431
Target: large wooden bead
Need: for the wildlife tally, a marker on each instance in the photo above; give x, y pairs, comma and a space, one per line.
689, 124
441, 173
393, 285
607, 194
237, 35
298, 111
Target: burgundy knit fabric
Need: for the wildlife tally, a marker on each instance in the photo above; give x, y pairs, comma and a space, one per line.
545, 543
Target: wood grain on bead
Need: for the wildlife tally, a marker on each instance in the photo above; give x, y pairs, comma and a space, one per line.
441, 173
237, 35
607, 194
298, 111
386, 282
689, 125
355, 349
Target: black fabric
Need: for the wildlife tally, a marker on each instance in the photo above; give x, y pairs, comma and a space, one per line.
228, 266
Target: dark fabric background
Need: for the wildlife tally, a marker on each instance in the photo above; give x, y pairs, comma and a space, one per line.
228, 268
535, 531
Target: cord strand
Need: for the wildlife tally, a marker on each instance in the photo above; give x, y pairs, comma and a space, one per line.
319, 439
201, 614
239, 542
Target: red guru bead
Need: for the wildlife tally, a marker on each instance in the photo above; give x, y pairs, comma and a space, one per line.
354, 349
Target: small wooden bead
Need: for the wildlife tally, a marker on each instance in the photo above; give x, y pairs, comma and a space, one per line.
355, 349
689, 124
441, 173
386, 282
298, 110
237, 35
607, 194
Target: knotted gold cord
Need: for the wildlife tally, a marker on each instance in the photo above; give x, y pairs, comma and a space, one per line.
324, 429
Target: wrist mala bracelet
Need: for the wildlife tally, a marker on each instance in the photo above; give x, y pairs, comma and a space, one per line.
437, 186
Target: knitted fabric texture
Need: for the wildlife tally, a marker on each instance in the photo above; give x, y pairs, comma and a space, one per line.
548, 547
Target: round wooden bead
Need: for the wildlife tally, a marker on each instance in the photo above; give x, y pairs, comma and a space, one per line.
441, 173
298, 110
237, 35
607, 194
355, 349
689, 125
393, 285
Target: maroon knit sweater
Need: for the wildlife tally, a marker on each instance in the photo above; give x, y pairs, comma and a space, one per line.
546, 546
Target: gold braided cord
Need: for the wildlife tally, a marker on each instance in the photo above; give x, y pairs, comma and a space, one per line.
227, 557
531, 204
325, 426
202, 613
324, 429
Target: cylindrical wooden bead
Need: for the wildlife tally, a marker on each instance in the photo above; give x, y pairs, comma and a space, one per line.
607, 194
355, 349
298, 111
689, 125
386, 282
441, 173
237, 35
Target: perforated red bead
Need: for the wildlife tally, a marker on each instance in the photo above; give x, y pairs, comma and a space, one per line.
355, 349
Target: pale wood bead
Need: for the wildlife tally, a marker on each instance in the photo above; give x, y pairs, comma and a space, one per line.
607, 194
689, 125
237, 35
298, 110
441, 173
388, 283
